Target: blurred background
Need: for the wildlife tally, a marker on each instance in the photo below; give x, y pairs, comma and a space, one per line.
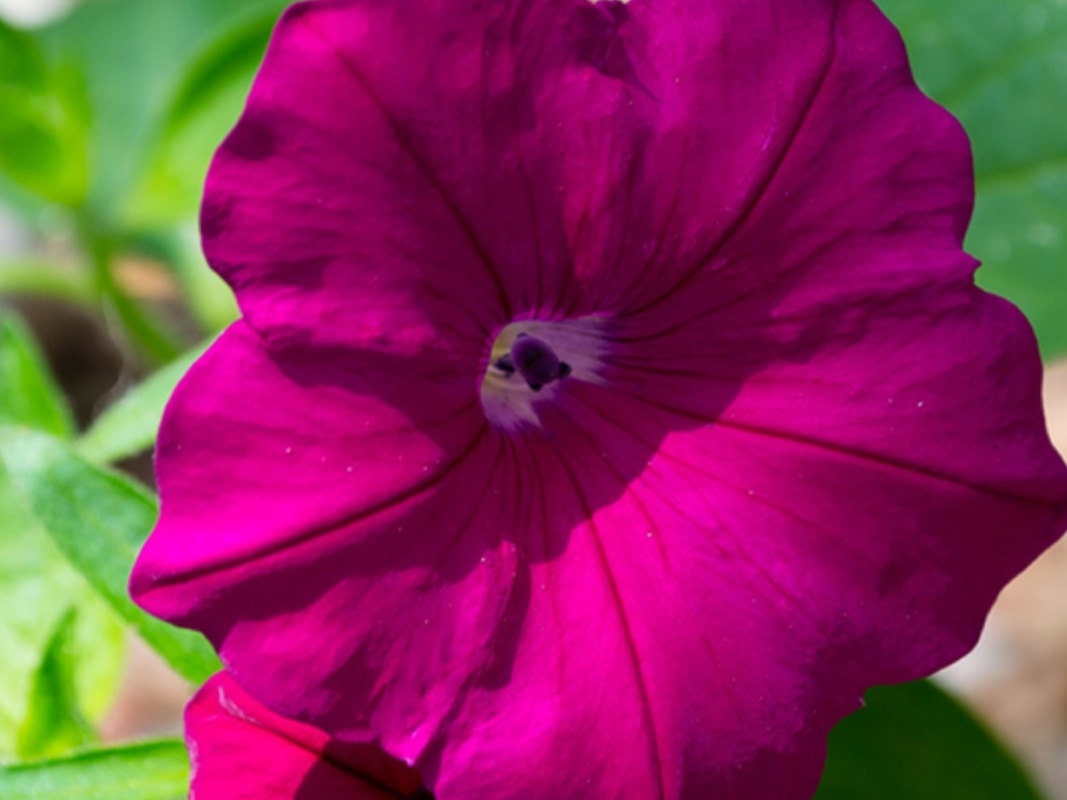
109, 113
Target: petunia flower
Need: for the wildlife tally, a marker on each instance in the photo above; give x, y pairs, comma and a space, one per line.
612, 403
240, 750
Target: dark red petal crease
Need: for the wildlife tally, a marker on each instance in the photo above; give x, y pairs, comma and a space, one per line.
240, 750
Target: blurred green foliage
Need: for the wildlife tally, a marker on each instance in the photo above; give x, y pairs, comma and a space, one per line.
109, 120
99, 520
146, 771
62, 647
914, 742
1002, 69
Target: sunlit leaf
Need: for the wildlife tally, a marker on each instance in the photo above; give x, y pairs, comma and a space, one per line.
38, 591
21, 61
147, 771
205, 106
41, 128
28, 394
55, 725
98, 519
133, 53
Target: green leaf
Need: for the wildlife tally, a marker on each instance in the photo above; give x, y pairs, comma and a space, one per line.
1002, 69
38, 591
21, 61
37, 276
206, 105
55, 724
913, 741
231, 58
210, 299
33, 152
129, 426
99, 520
28, 394
146, 771
42, 129
133, 53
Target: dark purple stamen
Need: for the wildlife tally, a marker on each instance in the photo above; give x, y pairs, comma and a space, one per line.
534, 360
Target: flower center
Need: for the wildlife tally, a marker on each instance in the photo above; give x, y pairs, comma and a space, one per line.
532, 361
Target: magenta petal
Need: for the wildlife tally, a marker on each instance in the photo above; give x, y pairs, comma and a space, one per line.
260, 451
241, 751
794, 451
296, 478
543, 157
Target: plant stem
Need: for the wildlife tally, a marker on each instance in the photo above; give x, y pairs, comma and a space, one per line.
150, 339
